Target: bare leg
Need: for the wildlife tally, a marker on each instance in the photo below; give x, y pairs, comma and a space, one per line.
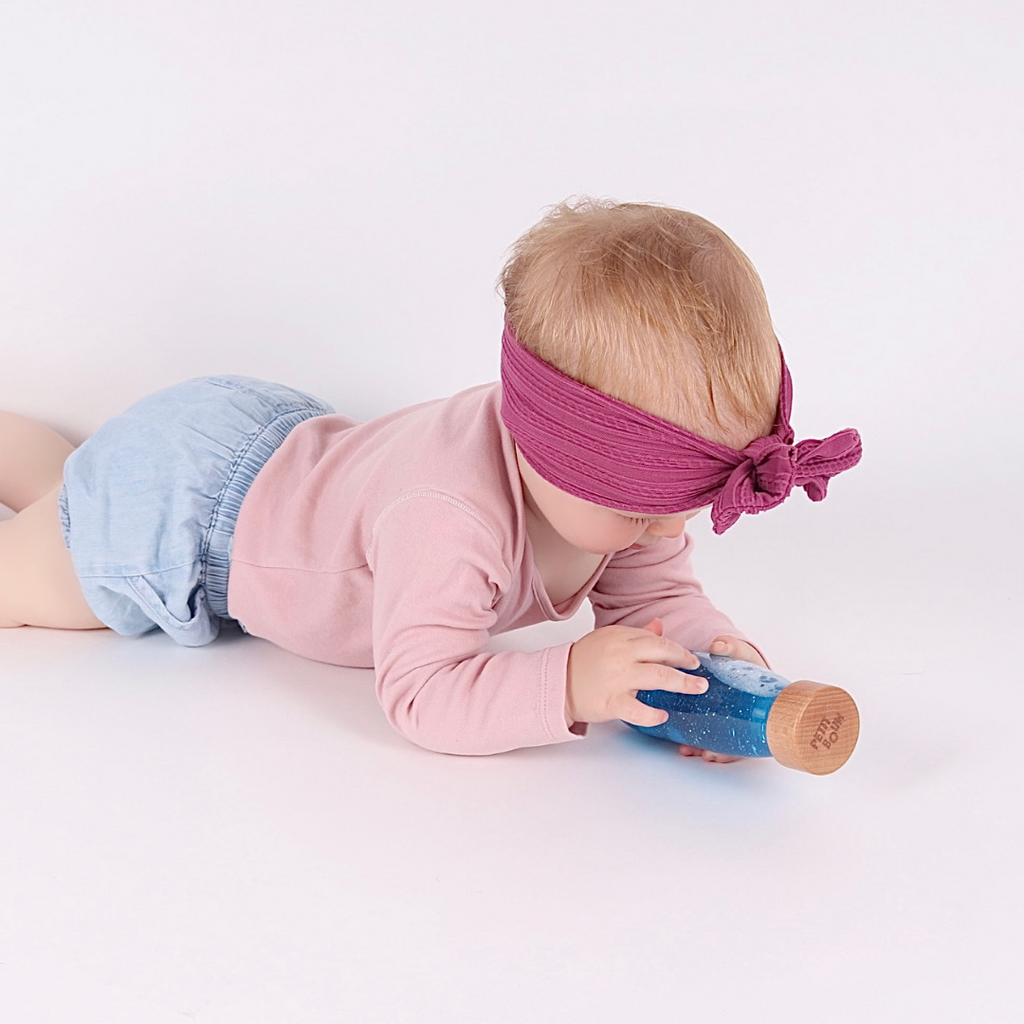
31, 460
38, 585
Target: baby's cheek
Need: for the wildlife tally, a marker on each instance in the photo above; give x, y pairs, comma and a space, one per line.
611, 541
627, 538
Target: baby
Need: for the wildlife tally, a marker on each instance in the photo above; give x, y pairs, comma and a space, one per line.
641, 382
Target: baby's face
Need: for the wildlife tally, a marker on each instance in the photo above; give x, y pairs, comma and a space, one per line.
594, 528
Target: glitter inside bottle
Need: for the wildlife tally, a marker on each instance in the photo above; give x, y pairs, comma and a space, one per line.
730, 717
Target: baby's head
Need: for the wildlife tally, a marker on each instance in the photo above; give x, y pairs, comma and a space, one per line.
640, 370
654, 306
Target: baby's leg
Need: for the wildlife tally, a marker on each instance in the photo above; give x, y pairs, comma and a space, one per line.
31, 460
38, 585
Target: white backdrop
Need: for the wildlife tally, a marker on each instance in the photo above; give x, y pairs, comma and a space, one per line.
322, 193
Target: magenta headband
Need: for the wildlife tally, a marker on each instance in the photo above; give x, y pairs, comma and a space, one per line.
608, 452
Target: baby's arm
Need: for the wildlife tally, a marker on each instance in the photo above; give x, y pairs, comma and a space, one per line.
438, 573
659, 581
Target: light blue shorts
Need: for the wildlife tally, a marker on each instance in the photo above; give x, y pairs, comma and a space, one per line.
150, 501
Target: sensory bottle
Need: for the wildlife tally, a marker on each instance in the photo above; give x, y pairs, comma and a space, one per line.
750, 711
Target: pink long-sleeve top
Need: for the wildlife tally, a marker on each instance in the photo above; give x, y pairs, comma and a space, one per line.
401, 544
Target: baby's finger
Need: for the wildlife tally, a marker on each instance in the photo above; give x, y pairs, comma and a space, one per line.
708, 755
660, 651
635, 712
724, 645
732, 647
663, 677
716, 758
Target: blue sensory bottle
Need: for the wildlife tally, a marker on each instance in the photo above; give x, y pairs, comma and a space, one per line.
750, 711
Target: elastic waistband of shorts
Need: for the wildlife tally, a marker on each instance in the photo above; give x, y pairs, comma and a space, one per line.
216, 558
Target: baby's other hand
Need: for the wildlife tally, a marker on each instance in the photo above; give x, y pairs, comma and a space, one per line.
731, 647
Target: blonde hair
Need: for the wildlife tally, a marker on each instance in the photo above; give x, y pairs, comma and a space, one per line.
652, 305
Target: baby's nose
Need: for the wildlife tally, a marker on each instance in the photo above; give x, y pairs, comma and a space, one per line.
667, 527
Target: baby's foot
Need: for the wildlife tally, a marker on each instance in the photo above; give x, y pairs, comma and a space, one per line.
708, 755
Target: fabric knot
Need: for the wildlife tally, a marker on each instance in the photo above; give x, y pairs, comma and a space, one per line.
772, 468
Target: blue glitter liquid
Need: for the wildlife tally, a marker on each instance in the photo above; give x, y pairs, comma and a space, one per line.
730, 717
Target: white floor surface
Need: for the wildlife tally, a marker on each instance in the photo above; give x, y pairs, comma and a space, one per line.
234, 834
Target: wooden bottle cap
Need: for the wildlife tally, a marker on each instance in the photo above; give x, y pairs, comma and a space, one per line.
813, 727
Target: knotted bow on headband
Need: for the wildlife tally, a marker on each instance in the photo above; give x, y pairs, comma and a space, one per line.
606, 451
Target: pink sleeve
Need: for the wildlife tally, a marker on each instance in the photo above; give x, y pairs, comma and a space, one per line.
438, 573
658, 582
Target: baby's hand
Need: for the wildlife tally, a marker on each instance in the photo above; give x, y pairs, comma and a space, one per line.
608, 666
731, 647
